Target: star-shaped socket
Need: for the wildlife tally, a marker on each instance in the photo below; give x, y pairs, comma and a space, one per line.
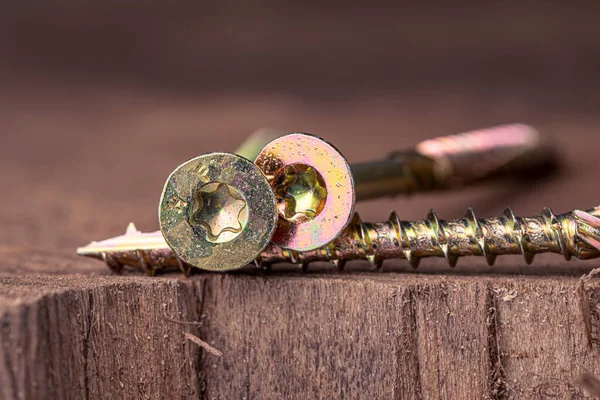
220, 210
301, 193
229, 215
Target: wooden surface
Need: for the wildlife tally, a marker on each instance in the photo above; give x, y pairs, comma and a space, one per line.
92, 124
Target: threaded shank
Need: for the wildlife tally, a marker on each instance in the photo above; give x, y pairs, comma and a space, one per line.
574, 234
432, 237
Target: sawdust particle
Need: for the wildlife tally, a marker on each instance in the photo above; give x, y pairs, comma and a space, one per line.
203, 344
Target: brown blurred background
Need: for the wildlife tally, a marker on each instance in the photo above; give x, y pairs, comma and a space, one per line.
100, 100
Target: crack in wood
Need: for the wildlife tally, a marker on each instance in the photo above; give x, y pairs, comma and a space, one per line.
413, 313
496, 376
86, 341
8, 365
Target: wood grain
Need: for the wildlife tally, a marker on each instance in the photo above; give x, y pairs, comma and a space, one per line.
392, 336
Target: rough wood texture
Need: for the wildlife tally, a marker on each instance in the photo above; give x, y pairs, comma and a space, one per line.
98, 338
86, 146
391, 336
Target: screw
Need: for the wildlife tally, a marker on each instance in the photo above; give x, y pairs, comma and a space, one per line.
217, 210
316, 188
256, 141
573, 234
212, 223
448, 162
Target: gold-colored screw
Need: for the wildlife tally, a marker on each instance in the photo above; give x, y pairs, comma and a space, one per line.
217, 210
212, 224
316, 188
573, 234
449, 162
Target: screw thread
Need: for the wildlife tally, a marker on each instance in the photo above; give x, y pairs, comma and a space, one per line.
573, 234
567, 234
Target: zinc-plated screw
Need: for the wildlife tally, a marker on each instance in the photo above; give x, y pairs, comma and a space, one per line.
217, 210
212, 223
573, 234
316, 188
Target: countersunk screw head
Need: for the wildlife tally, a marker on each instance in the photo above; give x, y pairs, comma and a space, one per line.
217, 211
314, 187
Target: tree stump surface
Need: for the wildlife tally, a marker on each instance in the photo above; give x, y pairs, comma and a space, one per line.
383, 335
87, 145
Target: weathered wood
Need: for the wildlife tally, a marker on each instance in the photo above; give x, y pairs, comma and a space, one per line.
293, 337
98, 338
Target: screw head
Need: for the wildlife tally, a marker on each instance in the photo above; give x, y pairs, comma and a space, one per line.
217, 211
314, 187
